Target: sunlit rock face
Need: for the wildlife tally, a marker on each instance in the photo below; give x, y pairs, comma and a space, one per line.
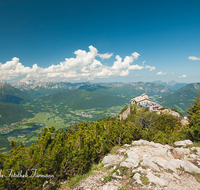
147, 165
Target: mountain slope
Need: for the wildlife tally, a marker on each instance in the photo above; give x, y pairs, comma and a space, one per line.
132, 90
78, 100
11, 94
182, 98
40, 92
10, 112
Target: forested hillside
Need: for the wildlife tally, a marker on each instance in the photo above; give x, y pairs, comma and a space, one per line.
78, 100
11, 100
10, 113
132, 90
182, 98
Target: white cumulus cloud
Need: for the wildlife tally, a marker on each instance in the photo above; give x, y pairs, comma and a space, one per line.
105, 55
193, 58
83, 66
182, 76
150, 68
161, 73
135, 55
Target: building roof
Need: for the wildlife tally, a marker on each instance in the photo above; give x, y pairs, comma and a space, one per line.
142, 98
139, 99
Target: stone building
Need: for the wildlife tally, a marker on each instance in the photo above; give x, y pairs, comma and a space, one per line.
144, 101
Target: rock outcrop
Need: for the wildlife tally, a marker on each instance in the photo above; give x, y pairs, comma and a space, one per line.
147, 165
183, 143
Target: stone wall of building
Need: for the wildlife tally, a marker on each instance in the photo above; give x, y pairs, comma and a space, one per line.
126, 113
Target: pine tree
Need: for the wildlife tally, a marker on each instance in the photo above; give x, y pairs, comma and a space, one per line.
194, 110
195, 129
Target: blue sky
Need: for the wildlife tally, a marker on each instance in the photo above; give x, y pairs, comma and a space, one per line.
100, 41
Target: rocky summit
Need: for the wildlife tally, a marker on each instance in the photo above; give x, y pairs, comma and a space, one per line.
147, 165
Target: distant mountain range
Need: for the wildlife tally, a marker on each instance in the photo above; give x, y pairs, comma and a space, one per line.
38, 89
182, 98
171, 84
48, 95
33, 84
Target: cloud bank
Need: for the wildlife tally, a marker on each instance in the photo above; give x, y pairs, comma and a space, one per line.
83, 66
193, 58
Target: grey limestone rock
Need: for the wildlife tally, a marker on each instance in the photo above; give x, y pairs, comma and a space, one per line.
184, 150
183, 143
140, 169
127, 164
109, 187
173, 164
161, 162
164, 150
189, 167
154, 179
127, 145
193, 156
132, 160
132, 154
112, 159
140, 142
197, 149
147, 162
137, 178
115, 176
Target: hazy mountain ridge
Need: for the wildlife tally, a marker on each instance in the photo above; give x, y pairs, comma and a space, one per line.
84, 85
131, 90
171, 84
38, 89
182, 98
27, 85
